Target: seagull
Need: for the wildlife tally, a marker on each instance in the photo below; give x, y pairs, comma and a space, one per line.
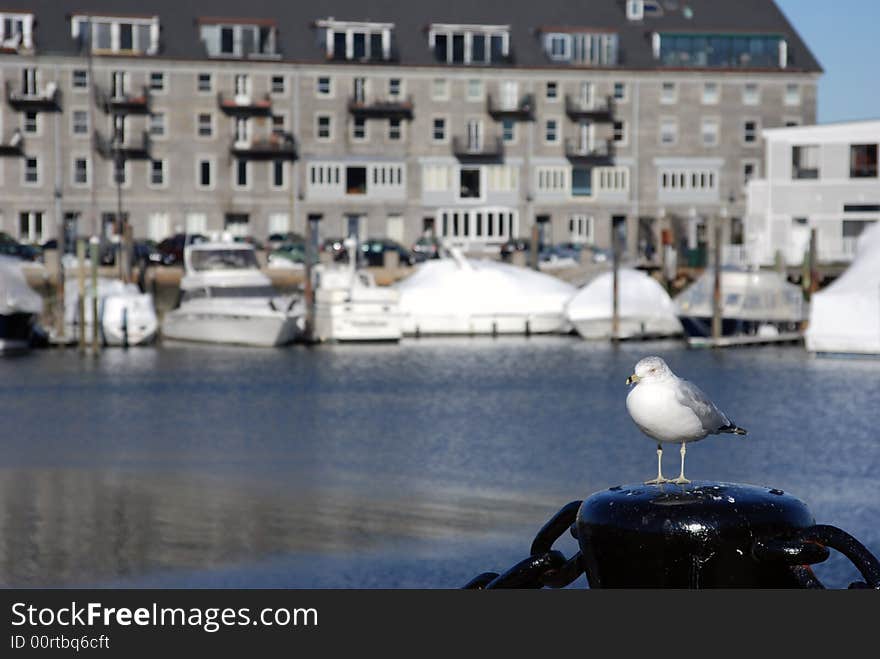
669, 409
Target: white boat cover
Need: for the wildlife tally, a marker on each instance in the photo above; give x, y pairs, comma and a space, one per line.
453, 293
845, 317
15, 294
644, 306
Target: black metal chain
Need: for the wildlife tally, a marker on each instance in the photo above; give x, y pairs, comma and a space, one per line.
545, 566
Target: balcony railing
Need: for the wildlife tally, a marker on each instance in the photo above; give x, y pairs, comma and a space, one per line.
523, 110
14, 147
277, 146
108, 149
123, 103
601, 153
245, 104
390, 108
599, 111
490, 149
45, 100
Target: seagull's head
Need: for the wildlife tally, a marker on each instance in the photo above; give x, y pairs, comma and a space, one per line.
649, 369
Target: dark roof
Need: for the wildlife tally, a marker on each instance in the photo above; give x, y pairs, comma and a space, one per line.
298, 39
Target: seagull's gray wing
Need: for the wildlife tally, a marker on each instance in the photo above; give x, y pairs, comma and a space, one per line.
711, 418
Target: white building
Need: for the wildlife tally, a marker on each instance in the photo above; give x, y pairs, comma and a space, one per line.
817, 177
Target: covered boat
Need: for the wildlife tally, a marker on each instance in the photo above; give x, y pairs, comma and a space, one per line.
753, 302
645, 308
465, 296
20, 306
845, 317
127, 316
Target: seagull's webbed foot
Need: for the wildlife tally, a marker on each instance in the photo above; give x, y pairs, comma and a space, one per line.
681, 480
658, 481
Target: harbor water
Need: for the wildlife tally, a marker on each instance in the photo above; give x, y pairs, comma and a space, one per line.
411, 465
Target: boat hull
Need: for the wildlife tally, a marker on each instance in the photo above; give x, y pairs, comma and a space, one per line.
354, 322
16, 332
261, 331
701, 326
469, 325
628, 328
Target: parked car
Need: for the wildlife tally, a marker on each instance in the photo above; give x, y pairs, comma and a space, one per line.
144, 251
425, 248
9, 246
514, 245
170, 250
291, 254
277, 240
373, 252
335, 247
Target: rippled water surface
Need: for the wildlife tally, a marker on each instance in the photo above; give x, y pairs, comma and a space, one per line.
415, 465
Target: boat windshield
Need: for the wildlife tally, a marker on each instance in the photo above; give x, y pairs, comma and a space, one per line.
216, 292
223, 259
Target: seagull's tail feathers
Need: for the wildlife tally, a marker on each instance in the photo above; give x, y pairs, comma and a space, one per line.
733, 429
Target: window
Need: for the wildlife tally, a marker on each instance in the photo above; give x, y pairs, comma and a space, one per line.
469, 44
750, 131
668, 130
205, 124
709, 131
205, 83
79, 122
30, 227
238, 39
508, 131
475, 90
157, 124
157, 81
241, 83
438, 129
619, 132
551, 131
242, 173
559, 47
792, 94
394, 87
359, 129
79, 79
711, 93
863, 161
552, 179
440, 89
469, 183
668, 93
751, 93
620, 91
552, 91
591, 48
324, 128
118, 35
749, 171
356, 41
31, 123
16, 30
356, 180
580, 229
80, 171
484, 225
684, 180
120, 175
31, 173
205, 173
502, 178
279, 123
395, 130
805, 162
157, 173
324, 86
635, 10
278, 177
721, 50
581, 181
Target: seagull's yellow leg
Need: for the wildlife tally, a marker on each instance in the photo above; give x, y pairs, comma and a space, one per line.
659, 480
681, 480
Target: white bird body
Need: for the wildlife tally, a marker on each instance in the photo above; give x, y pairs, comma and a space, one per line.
648, 404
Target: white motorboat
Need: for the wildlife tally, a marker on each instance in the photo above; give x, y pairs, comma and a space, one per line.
20, 307
456, 295
349, 306
127, 316
226, 299
645, 309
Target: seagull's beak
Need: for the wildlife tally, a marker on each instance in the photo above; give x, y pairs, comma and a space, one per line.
632, 379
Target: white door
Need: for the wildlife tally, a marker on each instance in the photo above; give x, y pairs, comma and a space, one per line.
585, 136
509, 95
242, 130
279, 223
586, 94
118, 84
242, 86
196, 223
474, 134
158, 226
360, 90
394, 228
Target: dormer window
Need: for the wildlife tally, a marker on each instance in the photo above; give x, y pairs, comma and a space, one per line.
581, 47
470, 44
356, 41
707, 50
118, 35
635, 10
238, 38
16, 31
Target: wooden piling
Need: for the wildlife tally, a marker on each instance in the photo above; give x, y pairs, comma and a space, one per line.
81, 279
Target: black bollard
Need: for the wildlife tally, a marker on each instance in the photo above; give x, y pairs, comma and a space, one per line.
701, 535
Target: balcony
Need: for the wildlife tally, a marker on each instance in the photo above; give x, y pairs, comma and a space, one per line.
277, 146
386, 108
14, 147
601, 153
46, 100
488, 150
245, 105
107, 149
123, 103
596, 111
524, 110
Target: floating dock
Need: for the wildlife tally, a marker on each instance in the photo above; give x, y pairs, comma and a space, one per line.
748, 340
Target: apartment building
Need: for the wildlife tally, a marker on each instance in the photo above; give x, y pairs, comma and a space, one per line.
472, 120
817, 177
